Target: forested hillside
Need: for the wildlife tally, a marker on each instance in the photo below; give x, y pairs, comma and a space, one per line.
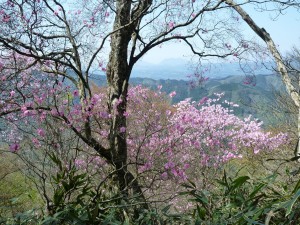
253, 98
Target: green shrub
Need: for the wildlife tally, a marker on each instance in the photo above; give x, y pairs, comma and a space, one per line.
242, 200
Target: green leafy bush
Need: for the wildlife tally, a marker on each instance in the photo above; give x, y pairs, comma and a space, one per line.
242, 200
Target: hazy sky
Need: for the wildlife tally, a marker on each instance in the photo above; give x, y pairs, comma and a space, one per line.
284, 30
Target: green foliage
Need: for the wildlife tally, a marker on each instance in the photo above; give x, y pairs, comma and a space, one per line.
242, 200
233, 200
67, 181
72, 196
17, 192
76, 201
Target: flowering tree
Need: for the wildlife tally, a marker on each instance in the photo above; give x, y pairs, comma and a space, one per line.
204, 133
166, 144
50, 48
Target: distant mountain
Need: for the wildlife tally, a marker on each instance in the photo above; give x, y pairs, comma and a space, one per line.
251, 97
180, 69
226, 78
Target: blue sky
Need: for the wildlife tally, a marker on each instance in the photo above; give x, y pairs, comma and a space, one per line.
284, 30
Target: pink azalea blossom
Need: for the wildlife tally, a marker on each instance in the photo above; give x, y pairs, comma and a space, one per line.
41, 132
203, 100
172, 94
36, 142
75, 93
171, 25
14, 147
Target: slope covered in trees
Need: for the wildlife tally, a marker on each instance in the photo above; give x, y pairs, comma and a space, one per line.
252, 98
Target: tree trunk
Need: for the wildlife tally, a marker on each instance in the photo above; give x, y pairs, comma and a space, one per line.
118, 73
297, 150
117, 78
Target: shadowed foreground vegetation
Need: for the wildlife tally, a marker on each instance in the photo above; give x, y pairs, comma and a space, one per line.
258, 189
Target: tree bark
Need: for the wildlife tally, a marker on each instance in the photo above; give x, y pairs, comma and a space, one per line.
118, 73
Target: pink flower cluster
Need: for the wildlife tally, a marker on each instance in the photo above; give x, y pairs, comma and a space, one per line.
172, 139
189, 134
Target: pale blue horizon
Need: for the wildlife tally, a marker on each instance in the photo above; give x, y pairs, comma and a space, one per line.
284, 31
